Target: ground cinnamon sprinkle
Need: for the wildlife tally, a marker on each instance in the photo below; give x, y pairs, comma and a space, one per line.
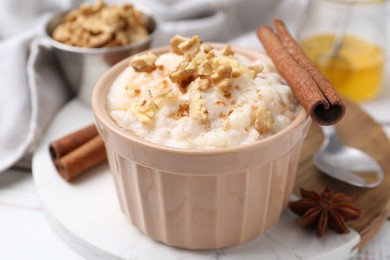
225, 115
182, 111
219, 102
227, 94
137, 92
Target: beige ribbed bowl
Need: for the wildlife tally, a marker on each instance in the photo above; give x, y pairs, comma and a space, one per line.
200, 199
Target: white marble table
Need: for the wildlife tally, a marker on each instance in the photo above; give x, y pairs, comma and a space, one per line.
26, 234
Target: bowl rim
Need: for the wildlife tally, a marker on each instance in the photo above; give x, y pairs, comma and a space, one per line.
102, 116
101, 50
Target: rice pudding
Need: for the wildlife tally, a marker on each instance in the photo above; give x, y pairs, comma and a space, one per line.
200, 97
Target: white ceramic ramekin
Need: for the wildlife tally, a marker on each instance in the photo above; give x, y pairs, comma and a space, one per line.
200, 199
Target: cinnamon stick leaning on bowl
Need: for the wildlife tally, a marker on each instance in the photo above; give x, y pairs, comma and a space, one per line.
77, 152
312, 89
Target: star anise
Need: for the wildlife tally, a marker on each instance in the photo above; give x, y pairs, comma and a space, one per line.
325, 210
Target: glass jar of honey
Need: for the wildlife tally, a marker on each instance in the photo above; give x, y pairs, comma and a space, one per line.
346, 40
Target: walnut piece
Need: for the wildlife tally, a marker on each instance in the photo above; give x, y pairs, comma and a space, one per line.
207, 48
191, 46
144, 111
263, 120
165, 98
205, 68
222, 78
227, 50
163, 93
224, 71
255, 69
100, 39
144, 62
182, 78
237, 68
174, 43
197, 105
204, 84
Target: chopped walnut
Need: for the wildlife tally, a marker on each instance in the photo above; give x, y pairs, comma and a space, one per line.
237, 68
144, 111
210, 55
224, 86
184, 63
95, 26
204, 84
227, 50
120, 39
144, 62
222, 78
62, 33
193, 66
221, 73
161, 87
197, 105
174, 43
163, 93
100, 39
237, 71
191, 46
205, 68
165, 98
263, 120
255, 69
98, 5
183, 78
207, 48
88, 9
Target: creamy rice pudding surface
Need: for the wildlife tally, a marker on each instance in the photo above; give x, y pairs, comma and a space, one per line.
199, 97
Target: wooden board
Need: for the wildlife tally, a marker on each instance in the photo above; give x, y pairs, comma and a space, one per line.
359, 130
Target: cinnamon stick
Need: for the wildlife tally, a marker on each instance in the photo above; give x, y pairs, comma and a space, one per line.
77, 152
312, 89
70, 142
82, 158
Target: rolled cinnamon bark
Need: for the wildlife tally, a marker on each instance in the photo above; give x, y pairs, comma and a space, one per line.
313, 91
70, 142
81, 159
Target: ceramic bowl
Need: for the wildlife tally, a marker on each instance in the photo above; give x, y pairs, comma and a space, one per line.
200, 199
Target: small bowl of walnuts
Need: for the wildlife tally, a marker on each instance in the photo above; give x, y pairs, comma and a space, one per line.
91, 38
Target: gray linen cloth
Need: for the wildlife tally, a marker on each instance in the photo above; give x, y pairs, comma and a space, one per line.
29, 97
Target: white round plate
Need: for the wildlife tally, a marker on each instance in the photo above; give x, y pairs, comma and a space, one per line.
86, 214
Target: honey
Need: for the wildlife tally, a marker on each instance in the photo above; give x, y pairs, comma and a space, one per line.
360, 79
